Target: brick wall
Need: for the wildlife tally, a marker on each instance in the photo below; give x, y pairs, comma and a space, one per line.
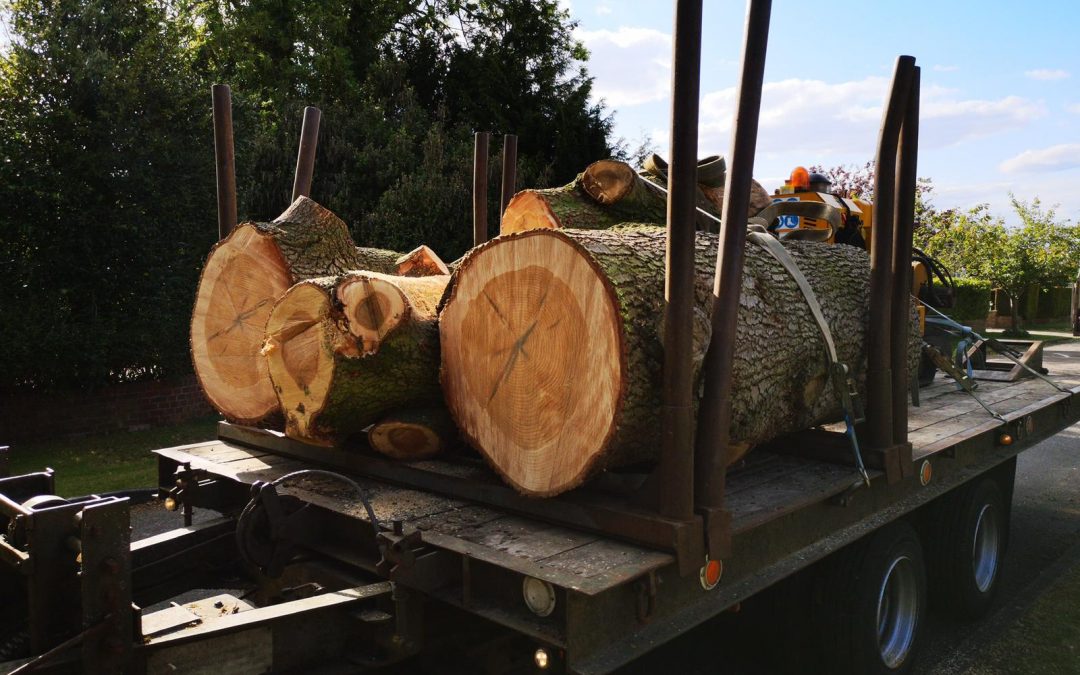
121, 407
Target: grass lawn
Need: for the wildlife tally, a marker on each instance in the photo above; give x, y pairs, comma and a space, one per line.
108, 462
1046, 640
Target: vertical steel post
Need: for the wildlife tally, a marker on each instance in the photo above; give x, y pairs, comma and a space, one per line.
509, 172
305, 158
677, 422
480, 187
878, 376
907, 176
714, 418
224, 159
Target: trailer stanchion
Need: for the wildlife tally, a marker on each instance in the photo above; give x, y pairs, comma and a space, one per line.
676, 456
224, 159
879, 410
480, 187
714, 420
907, 177
509, 172
305, 158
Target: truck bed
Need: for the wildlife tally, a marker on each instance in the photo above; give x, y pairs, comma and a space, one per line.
784, 508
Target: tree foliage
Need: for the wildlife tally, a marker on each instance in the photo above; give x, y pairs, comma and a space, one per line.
106, 152
1041, 252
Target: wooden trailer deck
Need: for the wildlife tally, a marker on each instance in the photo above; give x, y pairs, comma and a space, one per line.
767, 486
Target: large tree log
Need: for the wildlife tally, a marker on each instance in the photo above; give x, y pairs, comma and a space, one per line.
343, 351
551, 348
244, 275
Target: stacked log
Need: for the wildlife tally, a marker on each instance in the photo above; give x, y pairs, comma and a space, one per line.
608, 193
344, 351
246, 273
551, 347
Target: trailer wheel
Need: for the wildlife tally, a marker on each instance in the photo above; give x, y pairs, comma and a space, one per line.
927, 370
967, 542
874, 604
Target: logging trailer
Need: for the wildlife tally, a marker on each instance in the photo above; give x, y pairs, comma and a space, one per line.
351, 562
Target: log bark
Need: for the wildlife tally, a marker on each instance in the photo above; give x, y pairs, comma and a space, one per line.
413, 434
344, 351
244, 276
551, 347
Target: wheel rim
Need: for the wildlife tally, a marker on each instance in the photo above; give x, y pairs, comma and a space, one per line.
897, 611
985, 550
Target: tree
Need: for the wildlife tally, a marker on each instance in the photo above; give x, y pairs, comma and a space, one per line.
106, 174
1041, 252
857, 180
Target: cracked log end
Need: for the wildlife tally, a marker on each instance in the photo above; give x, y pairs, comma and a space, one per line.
300, 356
244, 275
421, 262
609, 181
532, 359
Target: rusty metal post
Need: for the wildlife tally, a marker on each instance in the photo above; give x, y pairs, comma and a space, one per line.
480, 187
677, 422
906, 181
224, 159
509, 172
878, 376
305, 158
714, 417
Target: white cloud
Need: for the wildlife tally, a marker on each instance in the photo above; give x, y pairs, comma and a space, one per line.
939, 68
1053, 158
603, 8
824, 121
1047, 74
1073, 108
631, 65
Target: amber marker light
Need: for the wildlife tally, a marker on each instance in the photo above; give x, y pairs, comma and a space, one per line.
800, 179
710, 574
540, 658
926, 472
1005, 439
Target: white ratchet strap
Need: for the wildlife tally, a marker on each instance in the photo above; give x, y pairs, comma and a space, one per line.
838, 372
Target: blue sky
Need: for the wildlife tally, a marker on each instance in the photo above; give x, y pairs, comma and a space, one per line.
1000, 87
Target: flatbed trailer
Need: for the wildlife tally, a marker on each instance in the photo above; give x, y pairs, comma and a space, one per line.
466, 565
346, 561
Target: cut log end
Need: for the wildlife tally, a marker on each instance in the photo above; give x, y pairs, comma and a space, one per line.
411, 435
243, 277
608, 181
532, 359
373, 307
528, 210
300, 357
421, 262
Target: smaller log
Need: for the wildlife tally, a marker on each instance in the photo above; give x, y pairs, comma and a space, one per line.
759, 197
410, 435
344, 351
421, 262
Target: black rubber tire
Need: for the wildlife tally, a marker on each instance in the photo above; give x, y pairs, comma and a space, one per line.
849, 600
951, 549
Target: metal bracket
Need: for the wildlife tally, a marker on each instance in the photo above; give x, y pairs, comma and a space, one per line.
397, 550
646, 598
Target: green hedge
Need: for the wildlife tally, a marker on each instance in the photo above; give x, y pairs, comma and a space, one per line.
972, 300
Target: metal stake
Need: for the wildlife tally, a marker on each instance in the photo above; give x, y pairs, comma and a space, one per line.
677, 423
714, 418
305, 158
907, 178
480, 187
224, 159
509, 172
878, 376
